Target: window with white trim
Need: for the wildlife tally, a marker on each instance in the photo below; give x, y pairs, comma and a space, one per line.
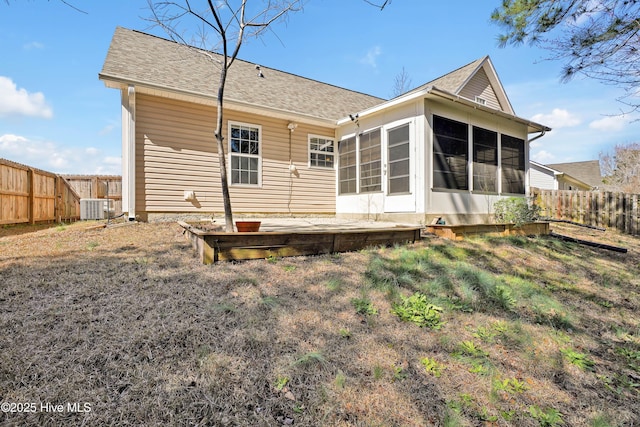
370, 161
244, 151
398, 159
321, 152
347, 168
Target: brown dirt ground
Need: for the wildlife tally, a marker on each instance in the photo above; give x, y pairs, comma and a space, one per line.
129, 321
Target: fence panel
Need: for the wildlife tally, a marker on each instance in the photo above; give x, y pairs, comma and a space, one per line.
29, 195
98, 187
597, 208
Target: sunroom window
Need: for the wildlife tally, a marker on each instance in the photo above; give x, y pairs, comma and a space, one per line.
513, 167
347, 172
370, 162
485, 160
450, 154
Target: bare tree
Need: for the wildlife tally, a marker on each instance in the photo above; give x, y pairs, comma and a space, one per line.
380, 5
219, 26
598, 39
621, 169
401, 83
61, 1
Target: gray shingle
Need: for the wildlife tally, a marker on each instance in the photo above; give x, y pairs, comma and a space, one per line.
140, 58
587, 171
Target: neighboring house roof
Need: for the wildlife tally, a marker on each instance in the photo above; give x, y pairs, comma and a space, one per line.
154, 63
587, 171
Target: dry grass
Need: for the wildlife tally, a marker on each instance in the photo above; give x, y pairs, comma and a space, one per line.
128, 320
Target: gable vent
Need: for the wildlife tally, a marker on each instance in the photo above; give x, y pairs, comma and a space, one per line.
481, 101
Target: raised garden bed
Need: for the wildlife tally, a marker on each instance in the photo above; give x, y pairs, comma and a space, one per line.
213, 244
459, 232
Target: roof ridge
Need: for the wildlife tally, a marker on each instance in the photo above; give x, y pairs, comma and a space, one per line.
254, 63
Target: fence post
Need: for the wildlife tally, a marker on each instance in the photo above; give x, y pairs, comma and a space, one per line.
32, 196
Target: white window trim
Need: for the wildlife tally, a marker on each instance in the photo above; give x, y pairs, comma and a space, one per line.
230, 154
334, 153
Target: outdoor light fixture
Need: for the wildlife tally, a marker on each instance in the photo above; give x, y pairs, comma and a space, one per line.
292, 126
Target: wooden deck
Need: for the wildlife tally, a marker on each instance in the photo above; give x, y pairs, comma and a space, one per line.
459, 232
213, 246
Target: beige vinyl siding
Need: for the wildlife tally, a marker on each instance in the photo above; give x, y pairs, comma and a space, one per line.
480, 86
176, 152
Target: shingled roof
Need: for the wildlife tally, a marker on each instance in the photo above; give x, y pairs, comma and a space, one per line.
149, 61
587, 171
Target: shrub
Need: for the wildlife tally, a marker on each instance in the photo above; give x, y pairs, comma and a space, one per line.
516, 210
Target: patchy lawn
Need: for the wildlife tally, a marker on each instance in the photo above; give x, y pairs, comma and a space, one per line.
124, 326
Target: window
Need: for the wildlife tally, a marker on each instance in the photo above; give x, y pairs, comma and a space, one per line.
370, 162
398, 160
321, 152
245, 154
512, 155
485, 160
450, 154
347, 170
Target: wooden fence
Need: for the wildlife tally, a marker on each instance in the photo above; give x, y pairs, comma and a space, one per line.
597, 208
98, 187
29, 195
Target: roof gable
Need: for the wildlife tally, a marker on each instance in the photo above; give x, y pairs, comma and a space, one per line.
587, 171
146, 60
476, 79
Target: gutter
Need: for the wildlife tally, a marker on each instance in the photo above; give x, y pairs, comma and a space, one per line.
432, 90
116, 82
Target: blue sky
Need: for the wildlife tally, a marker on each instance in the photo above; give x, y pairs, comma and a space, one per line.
56, 115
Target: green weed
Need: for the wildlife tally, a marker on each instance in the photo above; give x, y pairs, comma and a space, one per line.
581, 360
432, 366
281, 382
419, 310
341, 379
549, 417
313, 357
510, 385
364, 306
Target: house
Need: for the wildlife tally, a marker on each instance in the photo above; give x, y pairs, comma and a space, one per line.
547, 177
296, 146
587, 172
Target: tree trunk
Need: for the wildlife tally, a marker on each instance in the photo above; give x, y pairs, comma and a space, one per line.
226, 198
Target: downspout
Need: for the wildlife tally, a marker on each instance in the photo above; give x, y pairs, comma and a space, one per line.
131, 151
528, 163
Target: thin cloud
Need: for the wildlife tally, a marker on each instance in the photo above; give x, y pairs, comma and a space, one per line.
33, 45
543, 157
19, 102
558, 118
52, 157
612, 123
371, 57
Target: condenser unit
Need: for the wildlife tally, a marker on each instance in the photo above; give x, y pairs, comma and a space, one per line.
93, 208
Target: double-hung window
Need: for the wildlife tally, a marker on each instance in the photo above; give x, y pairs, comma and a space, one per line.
244, 150
485, 160
450, 154
321, 152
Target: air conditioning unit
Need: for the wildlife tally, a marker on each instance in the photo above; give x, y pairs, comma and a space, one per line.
93, 208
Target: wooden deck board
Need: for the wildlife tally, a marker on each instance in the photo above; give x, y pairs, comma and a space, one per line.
215, 246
